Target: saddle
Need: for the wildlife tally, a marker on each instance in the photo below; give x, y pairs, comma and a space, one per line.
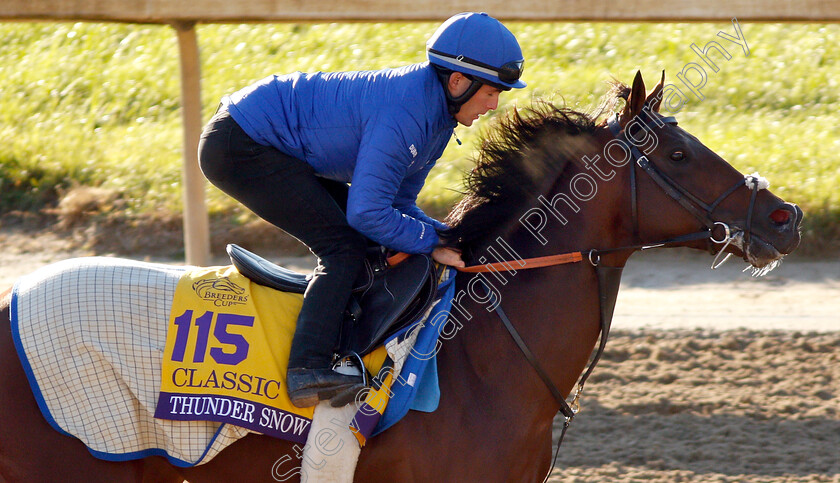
385, 298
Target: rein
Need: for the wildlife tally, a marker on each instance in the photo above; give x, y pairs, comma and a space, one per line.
609, 277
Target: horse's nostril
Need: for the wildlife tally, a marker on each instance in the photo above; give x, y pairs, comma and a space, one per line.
780, 216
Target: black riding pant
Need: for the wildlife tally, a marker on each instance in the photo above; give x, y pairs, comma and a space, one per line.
286, 192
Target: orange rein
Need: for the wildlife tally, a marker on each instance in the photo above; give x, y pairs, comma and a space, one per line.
525, 264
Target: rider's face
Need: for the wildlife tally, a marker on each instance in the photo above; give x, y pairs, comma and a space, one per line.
485, 99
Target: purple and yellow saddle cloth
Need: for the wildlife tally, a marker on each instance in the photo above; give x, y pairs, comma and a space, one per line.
105, 366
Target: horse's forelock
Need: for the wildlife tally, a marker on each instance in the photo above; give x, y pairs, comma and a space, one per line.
618, 92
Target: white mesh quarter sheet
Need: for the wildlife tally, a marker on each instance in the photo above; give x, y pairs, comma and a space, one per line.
92, 332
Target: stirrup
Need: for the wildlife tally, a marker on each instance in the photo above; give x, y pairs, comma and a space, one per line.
351, 365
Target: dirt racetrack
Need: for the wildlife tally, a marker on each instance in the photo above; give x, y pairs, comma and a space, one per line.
709, 406
709, 376
714, 376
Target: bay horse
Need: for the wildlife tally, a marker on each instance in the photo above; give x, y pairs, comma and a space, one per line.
549, 181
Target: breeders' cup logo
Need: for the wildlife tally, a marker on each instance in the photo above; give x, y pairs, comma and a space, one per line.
221, 291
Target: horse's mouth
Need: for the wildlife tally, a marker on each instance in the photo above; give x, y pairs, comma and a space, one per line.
761, 254
757, 249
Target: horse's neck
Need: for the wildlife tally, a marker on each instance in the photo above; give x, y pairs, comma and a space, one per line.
588, 207
555, 309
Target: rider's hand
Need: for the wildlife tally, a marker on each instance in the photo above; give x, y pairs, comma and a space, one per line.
447, 256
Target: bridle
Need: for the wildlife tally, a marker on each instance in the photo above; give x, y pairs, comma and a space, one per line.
609, 277
698, 208
702, 211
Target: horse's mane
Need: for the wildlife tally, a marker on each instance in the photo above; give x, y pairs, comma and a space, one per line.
519, 158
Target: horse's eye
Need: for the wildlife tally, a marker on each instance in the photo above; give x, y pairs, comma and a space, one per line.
677, 156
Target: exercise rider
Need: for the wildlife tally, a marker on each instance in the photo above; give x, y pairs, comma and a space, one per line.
287, 147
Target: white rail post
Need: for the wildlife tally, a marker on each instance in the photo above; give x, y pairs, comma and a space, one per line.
196, 220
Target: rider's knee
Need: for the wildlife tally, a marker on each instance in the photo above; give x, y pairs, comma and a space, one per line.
212, 165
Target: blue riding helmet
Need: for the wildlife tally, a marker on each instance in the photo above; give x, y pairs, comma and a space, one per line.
478, 45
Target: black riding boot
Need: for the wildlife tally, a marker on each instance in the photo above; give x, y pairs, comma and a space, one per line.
310, 378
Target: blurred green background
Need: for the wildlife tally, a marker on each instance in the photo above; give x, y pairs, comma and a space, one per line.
90, 104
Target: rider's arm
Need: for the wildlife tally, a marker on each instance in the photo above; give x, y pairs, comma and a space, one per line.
406, 199
381, 167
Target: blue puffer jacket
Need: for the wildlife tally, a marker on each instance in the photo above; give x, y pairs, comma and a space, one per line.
381, 131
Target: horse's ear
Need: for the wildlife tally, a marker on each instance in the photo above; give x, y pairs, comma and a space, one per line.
636, 100
654, 100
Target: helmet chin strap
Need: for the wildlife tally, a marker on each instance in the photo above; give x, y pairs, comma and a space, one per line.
454, 103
